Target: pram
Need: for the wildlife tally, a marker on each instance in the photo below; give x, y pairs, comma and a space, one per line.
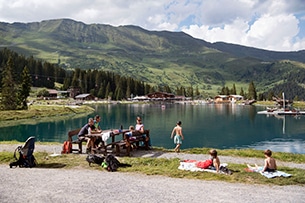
26, 157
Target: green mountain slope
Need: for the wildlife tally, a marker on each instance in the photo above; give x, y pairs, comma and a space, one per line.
157, 57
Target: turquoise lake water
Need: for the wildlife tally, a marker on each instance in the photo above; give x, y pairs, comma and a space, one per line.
218, 126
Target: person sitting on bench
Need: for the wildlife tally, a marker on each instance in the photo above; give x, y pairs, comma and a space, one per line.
88, 129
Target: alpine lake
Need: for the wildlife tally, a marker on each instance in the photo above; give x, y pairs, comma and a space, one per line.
220, 126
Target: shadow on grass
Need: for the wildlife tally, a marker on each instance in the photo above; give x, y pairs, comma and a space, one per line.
51, 165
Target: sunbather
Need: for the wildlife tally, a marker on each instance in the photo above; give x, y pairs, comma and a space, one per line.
269, 166
270, 163
215, 160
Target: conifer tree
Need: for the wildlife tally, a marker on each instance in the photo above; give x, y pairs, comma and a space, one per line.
25, 88
197, 93
242, 93
252, 91
8, 91
233, 90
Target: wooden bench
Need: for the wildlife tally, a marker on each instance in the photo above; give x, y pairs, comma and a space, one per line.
128, 143
77, 141
125, 143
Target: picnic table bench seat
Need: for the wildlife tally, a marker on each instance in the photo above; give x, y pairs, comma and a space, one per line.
135, 140
125, 143
71, 135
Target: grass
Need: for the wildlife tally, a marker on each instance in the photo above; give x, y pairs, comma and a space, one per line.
44, 110
282, 156
169, 167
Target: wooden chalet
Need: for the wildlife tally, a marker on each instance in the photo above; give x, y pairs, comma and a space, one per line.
222, 99
84, 97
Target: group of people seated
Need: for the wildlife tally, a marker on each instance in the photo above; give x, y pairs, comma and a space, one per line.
93, 127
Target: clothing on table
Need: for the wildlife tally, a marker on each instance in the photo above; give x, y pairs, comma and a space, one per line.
105, 137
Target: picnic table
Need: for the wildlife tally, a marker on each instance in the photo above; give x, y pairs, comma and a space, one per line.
112, 140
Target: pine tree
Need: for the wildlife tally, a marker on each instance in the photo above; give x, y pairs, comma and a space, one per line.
252, 91
233, 90
242, 93
25, 88
197, 93
8, 91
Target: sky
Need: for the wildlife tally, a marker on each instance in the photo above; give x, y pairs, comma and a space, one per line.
277, 25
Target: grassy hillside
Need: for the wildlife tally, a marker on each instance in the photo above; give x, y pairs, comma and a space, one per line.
159, 58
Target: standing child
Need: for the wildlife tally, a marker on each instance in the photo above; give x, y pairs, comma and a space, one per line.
178, 136
270, 163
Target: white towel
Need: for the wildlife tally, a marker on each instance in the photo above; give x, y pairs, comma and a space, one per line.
105, 137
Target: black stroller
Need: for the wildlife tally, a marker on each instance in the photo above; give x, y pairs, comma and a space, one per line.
26, 157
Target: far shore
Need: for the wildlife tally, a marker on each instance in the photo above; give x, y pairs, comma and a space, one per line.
48, 109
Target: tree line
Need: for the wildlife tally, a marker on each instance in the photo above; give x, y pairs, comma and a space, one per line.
19, 73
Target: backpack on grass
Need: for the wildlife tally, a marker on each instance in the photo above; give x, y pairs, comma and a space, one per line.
95, 159
112, 164
67, 147
26, 157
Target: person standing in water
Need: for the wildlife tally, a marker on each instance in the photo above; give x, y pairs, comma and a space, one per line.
178, 136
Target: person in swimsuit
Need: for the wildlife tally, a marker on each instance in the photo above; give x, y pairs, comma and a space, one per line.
215, 160
178, 136
270, 163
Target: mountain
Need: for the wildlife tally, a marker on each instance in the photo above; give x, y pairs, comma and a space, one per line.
156, 57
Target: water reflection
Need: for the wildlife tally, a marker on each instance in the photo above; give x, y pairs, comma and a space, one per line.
281, 145
219, 126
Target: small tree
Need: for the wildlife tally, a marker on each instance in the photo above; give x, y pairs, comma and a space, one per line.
252, 91
25, 88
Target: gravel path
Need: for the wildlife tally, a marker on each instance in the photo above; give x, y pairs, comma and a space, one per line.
82, 185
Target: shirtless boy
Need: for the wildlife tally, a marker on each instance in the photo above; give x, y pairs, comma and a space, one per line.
178, 136
270, 163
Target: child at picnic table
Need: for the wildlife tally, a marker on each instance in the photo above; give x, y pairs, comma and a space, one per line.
130, 135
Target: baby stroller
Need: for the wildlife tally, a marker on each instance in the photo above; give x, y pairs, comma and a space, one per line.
26, 157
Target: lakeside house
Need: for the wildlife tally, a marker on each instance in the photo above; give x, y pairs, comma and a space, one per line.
84, 97
227, 98
159, 96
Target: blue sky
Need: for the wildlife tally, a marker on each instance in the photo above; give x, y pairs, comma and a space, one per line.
277, 25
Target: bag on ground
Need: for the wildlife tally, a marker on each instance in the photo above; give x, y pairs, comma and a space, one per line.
96, 159
67, 147
112, 164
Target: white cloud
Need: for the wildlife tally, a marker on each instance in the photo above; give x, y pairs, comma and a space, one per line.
268, 24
